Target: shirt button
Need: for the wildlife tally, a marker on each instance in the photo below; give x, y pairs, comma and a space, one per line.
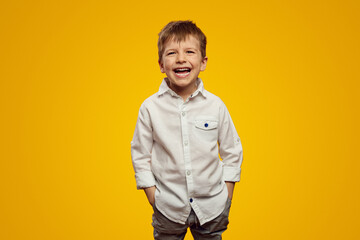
188, 172
206, 125
183, 114
191, 200
186, 142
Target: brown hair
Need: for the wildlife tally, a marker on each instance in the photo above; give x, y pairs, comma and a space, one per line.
179, 31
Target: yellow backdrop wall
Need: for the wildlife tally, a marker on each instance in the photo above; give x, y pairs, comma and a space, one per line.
74, 73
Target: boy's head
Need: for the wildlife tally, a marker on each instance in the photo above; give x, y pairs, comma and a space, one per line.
182, 55
180, 31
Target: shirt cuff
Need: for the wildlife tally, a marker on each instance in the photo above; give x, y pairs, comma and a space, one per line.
231, 174
144, 180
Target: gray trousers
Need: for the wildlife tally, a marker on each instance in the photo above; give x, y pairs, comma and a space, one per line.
165, 229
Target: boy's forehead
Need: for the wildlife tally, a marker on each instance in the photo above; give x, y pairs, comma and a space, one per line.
189, 40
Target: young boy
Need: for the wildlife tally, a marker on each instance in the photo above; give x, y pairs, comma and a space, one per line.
179, 134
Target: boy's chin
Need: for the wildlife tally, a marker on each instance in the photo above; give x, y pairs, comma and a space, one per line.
182, 83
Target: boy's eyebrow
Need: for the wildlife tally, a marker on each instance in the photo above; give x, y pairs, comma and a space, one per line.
186, 48
169, 50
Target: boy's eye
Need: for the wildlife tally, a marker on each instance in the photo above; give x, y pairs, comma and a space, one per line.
190, 51
170, 53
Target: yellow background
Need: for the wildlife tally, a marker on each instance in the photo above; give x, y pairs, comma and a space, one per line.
74, 73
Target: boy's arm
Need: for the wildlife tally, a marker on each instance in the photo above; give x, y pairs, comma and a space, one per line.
230, 150
141, 147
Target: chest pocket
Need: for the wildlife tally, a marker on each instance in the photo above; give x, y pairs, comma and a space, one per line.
206, 124
206, 128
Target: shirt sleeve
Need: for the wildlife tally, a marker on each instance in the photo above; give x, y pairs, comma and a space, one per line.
230, 147
141, 146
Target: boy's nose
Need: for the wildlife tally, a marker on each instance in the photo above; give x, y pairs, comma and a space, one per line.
180, 58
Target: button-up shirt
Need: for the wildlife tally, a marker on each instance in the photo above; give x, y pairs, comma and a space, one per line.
176, 147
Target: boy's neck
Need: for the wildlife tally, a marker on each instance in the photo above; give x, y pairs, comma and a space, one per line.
184, 93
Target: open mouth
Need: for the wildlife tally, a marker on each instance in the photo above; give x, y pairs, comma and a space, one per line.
182, 72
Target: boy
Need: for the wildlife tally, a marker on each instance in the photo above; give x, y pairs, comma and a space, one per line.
179, 134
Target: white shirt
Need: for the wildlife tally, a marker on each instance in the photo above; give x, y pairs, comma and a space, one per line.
176, 147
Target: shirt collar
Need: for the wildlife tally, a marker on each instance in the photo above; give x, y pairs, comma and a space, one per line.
165, 88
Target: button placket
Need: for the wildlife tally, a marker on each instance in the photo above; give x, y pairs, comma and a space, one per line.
186, 149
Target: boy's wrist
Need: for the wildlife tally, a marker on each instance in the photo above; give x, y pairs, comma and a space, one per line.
150, 194
230, 187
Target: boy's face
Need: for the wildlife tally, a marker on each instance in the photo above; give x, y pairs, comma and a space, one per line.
182, 63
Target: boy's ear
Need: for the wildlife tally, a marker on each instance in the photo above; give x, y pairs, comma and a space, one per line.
203, 63
161, 65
